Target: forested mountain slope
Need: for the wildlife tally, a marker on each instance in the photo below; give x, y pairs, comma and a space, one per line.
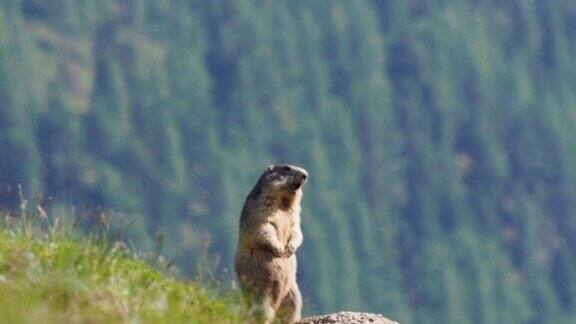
439, 135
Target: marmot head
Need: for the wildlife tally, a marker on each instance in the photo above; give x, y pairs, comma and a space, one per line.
283, 177
280, 181
279, 185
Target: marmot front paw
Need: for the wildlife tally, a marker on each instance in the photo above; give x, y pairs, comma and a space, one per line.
277, 251
289, 250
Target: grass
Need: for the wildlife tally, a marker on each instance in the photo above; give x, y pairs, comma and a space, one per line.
50, 274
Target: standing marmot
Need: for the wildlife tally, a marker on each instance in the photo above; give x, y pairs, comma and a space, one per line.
269, 235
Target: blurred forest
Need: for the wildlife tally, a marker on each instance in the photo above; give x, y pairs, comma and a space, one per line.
440, 137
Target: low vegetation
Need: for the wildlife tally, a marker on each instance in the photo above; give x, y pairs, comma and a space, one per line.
49, 273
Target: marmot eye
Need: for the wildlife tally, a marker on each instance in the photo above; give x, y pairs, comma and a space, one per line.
286, 168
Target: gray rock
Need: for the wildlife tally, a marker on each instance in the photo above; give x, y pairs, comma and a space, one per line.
348, 318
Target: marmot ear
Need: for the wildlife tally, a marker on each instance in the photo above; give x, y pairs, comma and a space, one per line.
269, 168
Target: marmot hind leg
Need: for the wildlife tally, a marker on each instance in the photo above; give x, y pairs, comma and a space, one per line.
291, 307
263, 310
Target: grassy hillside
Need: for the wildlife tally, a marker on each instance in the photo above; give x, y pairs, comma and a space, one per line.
54, 276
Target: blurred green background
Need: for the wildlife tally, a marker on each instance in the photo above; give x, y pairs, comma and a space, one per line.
440, 137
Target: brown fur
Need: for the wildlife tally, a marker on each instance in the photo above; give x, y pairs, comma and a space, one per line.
270, 233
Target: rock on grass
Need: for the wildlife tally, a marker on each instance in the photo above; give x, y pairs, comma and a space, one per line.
348, 317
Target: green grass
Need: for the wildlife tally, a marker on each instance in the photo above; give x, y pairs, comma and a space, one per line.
52, 275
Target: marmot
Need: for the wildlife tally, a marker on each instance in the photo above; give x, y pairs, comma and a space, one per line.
269, 235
